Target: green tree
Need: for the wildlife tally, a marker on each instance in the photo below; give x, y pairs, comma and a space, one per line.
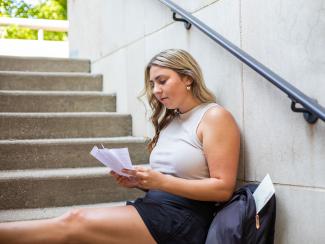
45, 9
14, 8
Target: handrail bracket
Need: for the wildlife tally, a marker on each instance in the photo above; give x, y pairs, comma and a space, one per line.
310, 117
187, 24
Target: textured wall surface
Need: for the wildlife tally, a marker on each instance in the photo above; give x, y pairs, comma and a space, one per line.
120, 37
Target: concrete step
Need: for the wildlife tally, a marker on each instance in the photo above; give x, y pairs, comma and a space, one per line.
64, 125
14, 80
69, 153
44, 64
60, 187
49, 101
46, 213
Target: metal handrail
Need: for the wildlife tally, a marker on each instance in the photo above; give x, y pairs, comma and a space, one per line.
310, 108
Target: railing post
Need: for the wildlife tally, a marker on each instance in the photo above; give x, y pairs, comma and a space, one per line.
40, 34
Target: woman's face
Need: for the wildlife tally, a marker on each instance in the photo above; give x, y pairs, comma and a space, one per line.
169, 88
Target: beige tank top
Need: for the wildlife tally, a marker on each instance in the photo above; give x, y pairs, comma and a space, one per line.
179, 151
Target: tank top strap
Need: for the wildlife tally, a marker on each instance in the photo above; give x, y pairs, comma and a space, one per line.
201, 112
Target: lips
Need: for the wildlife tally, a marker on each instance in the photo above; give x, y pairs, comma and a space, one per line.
163, 99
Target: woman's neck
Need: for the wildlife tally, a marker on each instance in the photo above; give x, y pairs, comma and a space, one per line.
189, 106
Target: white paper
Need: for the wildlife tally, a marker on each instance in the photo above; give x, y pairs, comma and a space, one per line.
263, 193
116, 158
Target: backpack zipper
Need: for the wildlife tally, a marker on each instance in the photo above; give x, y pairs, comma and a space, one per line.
257, 220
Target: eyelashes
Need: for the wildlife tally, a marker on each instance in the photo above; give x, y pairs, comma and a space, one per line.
160, 82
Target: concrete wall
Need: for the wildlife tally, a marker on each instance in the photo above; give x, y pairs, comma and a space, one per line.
288, 36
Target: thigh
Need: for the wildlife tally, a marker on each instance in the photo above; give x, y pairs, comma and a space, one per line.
108, 225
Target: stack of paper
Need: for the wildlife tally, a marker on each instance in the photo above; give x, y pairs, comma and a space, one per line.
116, 159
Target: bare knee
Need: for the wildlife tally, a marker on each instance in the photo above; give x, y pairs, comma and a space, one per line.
73, 216
73, 224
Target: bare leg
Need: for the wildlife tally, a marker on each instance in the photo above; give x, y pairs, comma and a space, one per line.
35, 231
95, 225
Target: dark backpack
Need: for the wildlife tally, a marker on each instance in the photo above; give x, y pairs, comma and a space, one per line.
236, 221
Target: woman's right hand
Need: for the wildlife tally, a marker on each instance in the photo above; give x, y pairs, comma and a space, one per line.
129, 182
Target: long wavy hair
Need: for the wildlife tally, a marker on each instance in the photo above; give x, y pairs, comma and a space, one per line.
183, 64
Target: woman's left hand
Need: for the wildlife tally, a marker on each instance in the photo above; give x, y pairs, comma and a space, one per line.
146, 177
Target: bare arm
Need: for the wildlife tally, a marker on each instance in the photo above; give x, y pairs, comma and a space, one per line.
221, 142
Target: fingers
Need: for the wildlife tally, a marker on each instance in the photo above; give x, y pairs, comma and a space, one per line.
141, 174
131, 172
141, 169
145, 177
117, 176
114, 174
137, 171
125, 181
121, 180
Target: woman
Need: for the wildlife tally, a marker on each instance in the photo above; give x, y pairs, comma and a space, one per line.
194, 160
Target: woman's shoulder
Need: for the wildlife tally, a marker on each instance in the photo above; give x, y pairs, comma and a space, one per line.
218, 116
216, 111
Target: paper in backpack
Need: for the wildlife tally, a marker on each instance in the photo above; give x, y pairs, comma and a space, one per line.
263, 193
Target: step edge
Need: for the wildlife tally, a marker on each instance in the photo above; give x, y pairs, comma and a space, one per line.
83, 140
56, 174
49, 74
61, 114
56, 93
27, 58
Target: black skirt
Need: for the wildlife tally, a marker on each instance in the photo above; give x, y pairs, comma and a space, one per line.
174, 219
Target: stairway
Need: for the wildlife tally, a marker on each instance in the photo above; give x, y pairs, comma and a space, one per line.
52, 112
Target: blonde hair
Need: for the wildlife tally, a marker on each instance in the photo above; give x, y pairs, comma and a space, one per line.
183, 64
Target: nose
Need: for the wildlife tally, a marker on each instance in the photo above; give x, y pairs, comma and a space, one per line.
156, 89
